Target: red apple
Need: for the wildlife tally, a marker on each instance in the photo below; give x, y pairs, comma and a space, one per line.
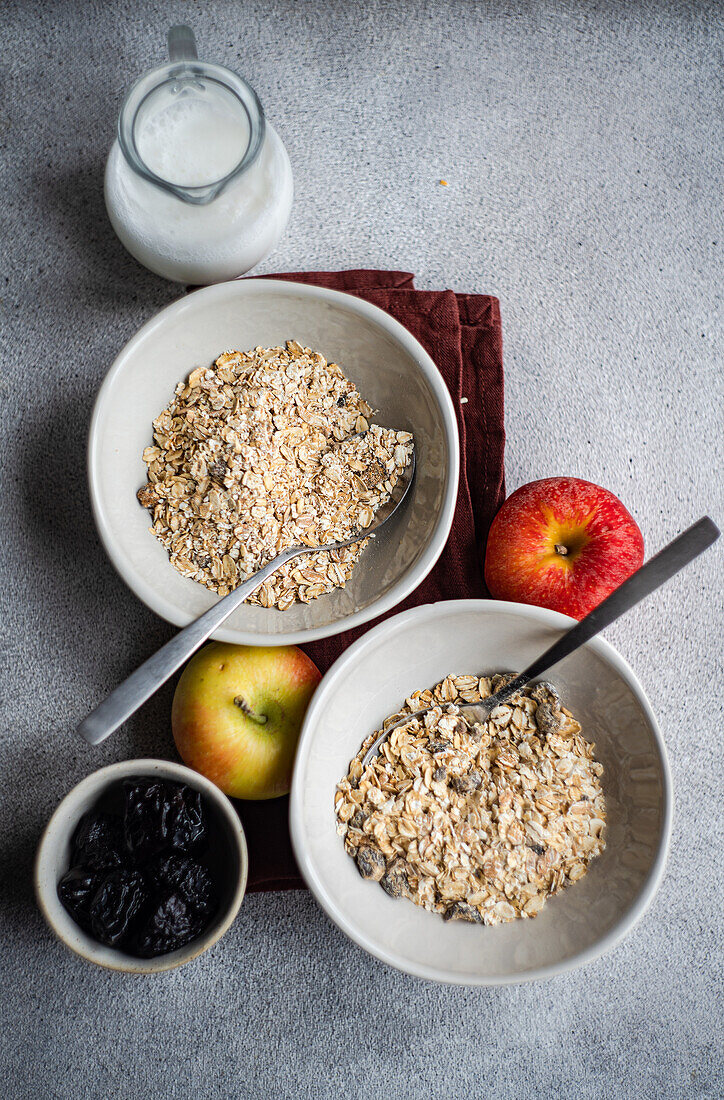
237, 714
561, 543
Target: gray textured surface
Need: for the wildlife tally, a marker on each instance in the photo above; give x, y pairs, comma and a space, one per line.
582, 146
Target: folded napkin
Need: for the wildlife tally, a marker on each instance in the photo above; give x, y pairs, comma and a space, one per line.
462, 334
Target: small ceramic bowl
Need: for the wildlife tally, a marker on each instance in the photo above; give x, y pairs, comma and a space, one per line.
53, 860
414, 650
390, 368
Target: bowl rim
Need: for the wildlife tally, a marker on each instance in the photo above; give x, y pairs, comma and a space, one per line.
156, 600
108, 774
343, 665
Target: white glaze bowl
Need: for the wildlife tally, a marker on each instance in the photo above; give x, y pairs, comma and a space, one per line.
54, 854
416, 649
392, 371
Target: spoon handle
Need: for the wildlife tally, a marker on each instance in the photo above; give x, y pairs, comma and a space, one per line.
141, 684
659, 569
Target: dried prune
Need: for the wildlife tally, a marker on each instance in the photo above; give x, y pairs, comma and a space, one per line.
76, 890
161, 815
186, 877
116, 905
171, 924
98, 841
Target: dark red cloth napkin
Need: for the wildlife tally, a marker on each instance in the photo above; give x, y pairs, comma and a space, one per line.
462, 334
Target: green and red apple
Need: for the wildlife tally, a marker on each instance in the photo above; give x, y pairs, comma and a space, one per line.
237, 714
561, 543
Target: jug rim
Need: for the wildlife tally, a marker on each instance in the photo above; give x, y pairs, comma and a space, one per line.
188, 71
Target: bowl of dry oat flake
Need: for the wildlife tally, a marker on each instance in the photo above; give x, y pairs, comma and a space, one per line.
481, 853
221, 436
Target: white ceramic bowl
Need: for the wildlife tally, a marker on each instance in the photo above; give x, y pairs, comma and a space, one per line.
54, 853
415, 650
390, 368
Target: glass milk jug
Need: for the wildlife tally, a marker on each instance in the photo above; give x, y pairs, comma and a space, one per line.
198, 185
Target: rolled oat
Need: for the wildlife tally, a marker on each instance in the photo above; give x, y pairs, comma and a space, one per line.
268, 449
477, 823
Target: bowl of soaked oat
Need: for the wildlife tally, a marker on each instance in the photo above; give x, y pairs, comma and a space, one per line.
480, 852
254, 416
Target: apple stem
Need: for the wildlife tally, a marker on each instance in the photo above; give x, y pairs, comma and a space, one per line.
244, 706
561, 549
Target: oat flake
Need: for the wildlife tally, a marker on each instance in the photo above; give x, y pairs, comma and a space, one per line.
476, 823
265, 450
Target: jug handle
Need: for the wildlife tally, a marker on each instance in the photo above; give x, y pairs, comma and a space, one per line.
181, 44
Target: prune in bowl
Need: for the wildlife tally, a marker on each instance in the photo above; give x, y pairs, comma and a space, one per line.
98, 840
184, 897
76, 890
159, 901
188, 878
160, 815
116, 905
172, 923
147, 907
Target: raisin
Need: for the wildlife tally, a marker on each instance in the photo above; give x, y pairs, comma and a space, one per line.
218, 470
342, 401
462, 911
186, 877
373, 475
438, 776
463, 784
98, 841
161, 815
76, 891
171, 925
435, 747
548, 715
395, 882
371, 863
116, 905
358, 819
502, 680
537, 848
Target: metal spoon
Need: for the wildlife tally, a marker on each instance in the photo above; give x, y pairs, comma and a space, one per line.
649, 577
141, 684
